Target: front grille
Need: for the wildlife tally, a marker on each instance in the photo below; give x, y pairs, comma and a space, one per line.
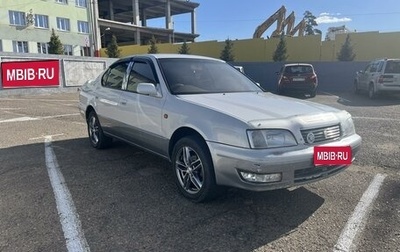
321, 134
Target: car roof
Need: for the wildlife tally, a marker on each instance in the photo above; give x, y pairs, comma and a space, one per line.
172, 56
297, 64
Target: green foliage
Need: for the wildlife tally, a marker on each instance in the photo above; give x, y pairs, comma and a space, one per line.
227, 52
112, 49
153, 45
280, 52
310, 24
346, 52
55, 45
184, 48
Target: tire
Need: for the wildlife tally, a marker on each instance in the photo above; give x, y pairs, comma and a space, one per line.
313, 93
96, 135
355, 88
193, 169
371, 91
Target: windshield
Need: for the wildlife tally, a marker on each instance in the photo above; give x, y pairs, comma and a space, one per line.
199, 76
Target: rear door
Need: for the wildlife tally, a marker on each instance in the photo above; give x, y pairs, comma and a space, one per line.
108, 96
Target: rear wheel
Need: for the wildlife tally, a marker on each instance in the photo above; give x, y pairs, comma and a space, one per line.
313, 93
193, 169
371, 91
96, 135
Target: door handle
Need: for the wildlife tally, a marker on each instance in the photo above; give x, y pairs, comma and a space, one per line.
123, 102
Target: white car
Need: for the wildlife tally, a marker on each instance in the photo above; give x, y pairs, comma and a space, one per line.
380, 76
216, 126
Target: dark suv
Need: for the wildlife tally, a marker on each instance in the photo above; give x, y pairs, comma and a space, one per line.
382, 75
299, 78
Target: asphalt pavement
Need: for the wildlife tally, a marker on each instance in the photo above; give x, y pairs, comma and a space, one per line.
124, 199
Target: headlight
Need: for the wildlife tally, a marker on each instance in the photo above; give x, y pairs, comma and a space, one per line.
348, 127
270, 138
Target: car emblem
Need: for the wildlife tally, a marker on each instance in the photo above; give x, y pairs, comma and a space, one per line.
310, 137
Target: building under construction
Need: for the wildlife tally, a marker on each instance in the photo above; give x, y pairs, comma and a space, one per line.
85, 26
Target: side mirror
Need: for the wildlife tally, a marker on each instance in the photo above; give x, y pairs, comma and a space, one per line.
147, 89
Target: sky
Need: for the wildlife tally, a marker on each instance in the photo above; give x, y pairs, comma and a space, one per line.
234, 19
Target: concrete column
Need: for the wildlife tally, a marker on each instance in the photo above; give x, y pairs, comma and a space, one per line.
135, 10
144, 18
194, 28
137, 36
168, 19
111, 9
96, 28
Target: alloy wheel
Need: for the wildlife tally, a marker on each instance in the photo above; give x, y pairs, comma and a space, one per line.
189, 170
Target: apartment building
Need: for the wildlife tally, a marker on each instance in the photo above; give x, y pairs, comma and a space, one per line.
85, 26
26, 25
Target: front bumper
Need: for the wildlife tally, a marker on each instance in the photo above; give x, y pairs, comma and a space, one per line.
295, 164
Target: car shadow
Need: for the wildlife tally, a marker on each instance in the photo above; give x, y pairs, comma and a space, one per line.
362, 99
127, 201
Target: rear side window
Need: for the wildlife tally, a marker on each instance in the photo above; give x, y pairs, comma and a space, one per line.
114, 76
392, 67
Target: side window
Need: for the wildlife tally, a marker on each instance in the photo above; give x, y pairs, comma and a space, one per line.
380, 66
374, 67
141, 72
114, 77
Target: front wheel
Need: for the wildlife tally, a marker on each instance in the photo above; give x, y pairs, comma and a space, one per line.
371, 91
96, 135
193, 169
355, 87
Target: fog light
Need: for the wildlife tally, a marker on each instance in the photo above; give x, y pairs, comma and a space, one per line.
261, 178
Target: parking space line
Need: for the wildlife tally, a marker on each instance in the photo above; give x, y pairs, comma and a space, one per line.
28, 118
71, 225
356, 223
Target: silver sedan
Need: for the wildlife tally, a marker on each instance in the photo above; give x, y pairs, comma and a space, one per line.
216, 126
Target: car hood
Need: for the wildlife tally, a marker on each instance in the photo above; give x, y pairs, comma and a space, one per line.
252, 107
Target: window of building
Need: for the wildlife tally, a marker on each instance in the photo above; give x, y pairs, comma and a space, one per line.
85, 51
68, 50
80, 3
20, 46
17, 18
42, 21
62, 1
83, 27
63, 24
43, 48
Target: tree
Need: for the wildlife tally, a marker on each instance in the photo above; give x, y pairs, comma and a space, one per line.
280, 52
346, 52
184, 48
55, 45
227, 52
112, 49
153, 45
310, 24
